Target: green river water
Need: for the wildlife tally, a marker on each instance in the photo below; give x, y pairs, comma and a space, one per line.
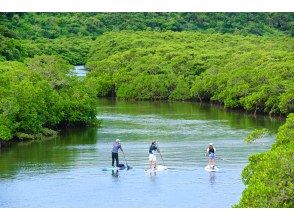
66, 171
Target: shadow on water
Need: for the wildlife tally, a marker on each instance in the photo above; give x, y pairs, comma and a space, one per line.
46, 155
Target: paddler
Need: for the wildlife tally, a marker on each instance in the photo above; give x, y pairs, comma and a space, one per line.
152, 154
210, 152
114, 153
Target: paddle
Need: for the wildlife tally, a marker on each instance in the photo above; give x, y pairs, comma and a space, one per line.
162, 159
128, 167
218, 157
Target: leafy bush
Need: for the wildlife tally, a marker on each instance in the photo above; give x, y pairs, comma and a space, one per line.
269, 176
40, 95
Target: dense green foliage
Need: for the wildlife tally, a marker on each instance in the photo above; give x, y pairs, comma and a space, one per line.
11, 49
40, 93
72, 49
72, 32
270, 176
253, 73
54, 25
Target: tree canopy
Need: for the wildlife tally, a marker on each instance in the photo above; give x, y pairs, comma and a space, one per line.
55, 25
253, 73
39, 93
269, 176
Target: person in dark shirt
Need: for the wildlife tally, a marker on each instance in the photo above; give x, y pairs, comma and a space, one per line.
211, 155
114, 153
152, 154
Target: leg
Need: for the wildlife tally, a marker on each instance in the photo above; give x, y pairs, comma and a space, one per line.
211, 164
112, 156
116, 158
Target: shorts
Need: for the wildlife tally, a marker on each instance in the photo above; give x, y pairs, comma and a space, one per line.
152, 157
211, 156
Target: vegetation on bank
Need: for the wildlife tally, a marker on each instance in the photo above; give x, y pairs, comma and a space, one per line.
253, 73
39, 95
269, 176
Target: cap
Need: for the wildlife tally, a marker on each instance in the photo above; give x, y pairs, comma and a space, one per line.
210, 144
117, 140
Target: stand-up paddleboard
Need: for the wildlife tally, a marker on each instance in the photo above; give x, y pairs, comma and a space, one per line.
121, 167
158, 169
211, 169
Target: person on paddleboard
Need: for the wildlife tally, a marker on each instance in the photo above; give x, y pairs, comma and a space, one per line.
114, 153
211, 155
152, 154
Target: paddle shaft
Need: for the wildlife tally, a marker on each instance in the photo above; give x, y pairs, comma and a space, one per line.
125, 159
161, 157
218, 157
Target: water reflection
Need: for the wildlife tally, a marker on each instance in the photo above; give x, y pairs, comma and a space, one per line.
114, 173
189, 110
80, 71
212, 178
50, 155
152, 176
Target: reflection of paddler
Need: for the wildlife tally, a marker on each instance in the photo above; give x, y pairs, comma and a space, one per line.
211, 155
114, 173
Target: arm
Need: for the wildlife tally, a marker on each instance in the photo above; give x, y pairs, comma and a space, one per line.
157, 148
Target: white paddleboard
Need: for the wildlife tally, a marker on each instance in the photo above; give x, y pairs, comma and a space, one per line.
210, 169
158, 169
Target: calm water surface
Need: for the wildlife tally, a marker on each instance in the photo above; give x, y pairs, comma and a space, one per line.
67, 171
80, 71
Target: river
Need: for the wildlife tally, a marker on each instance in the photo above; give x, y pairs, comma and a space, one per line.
66, 171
